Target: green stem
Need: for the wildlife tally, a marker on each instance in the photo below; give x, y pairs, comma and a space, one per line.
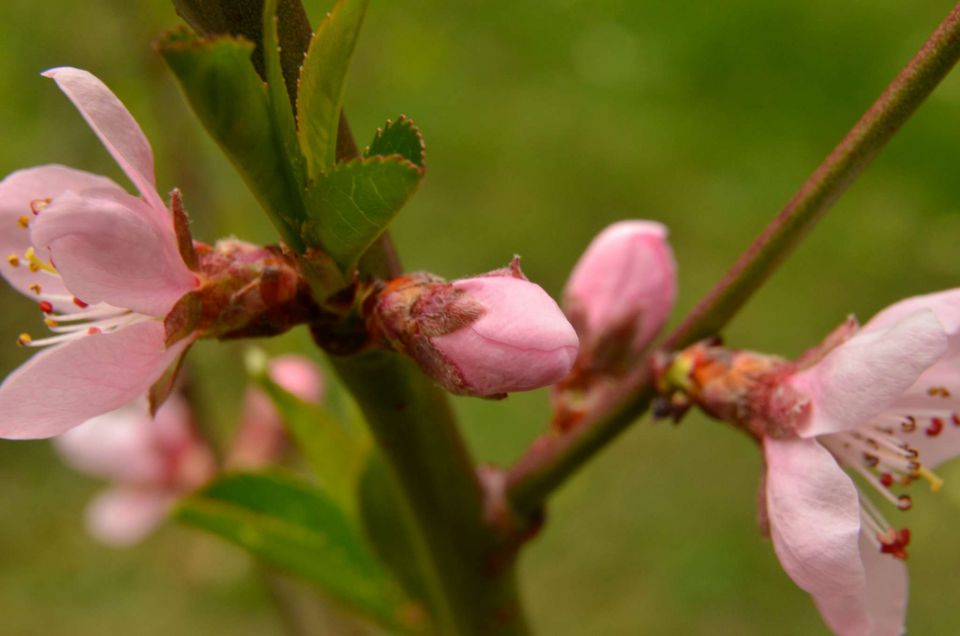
554, 457
416, 431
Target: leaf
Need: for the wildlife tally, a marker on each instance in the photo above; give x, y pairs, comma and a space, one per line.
401, 138
335, 454
232, 102
296, 527
321, 83
388, 525
351, 205
244, 18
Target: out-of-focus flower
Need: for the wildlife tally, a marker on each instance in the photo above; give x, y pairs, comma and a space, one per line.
621, 291
104, 267
150, 462
261, 437
483, 336
883, 401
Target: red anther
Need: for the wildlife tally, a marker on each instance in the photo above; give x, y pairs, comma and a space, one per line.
92, 331
894, 542
936, 426
46, 307
955, 418
904, 502
886, 479
79, 303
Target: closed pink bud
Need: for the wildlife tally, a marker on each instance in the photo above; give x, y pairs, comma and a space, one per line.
484, 336
623, 288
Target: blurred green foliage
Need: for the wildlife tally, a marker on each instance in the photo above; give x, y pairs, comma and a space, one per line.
545, 120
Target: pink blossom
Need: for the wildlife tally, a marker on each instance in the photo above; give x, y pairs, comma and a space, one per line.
884, 404
622, 288
103, 266
484, 336
150, 462
261, 436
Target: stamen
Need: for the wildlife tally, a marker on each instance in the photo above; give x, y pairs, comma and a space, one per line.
938, 391
50, 322
955, 418
35, 288
909, 425
894, 542
24, 340
46, 307
92, 331
24, 222
14, 260
79, 303
38, 204
904, 502
36, 263
886, 479
935, 428
936, 482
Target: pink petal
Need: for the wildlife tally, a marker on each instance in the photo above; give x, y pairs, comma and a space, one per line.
261, 436
107, 250
123, 516
867, 374
945, 305
299, 376
627, 275
113, 124
63, 386
880, 610
522, 342
814, 515
119, 446
17, 191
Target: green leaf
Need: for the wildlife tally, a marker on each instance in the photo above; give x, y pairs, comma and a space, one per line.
401, 138
244, 18
354, 202
335, 454
296, 527
388, 523
232, 102
321, 83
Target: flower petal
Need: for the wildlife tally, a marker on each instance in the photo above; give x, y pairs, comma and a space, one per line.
119, 445
867, 374
64, 386
123, 516
880, 610
945, 305
17, 191
113, 124
814, 515
106, 250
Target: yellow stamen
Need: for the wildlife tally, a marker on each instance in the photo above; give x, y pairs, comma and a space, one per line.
50, 322
24, 221
14, 260
936, 483
35, 288
36, 264
24, 339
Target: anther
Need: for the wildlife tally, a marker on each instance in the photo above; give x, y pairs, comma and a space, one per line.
894, 542
24, 340
904, 502
938, 391
38, 204
886, 479
909, 425
50, 322
24, 222
92, 331
35, 288
14, 260
79, 303
935, 428
871, 460
955, 418
46, 306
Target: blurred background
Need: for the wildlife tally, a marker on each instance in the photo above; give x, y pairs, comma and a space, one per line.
545, 120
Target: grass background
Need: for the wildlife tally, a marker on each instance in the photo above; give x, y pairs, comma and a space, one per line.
545, 120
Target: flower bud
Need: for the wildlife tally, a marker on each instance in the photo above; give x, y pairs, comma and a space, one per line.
484, 336
622, 289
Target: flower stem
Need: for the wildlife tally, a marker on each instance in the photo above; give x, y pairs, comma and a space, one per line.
554, 457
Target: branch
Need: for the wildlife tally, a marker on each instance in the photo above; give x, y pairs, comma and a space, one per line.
554, 457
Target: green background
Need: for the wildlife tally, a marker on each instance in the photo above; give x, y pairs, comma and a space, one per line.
545, 120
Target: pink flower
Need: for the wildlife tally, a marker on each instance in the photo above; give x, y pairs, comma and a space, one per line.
151, 463
622, 288
484, 336
261, 437
104, 267
884, 404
